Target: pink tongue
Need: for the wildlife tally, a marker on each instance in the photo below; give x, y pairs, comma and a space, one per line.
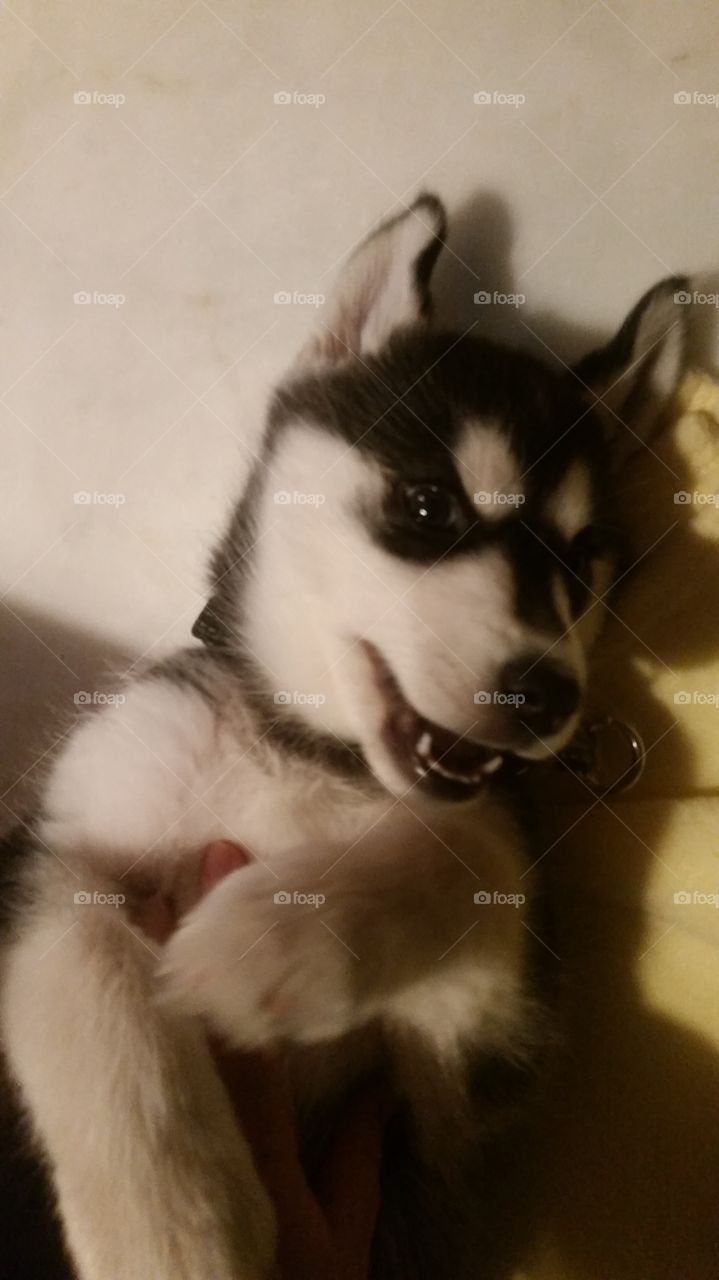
219, 859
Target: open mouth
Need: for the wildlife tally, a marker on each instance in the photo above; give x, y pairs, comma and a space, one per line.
449, 766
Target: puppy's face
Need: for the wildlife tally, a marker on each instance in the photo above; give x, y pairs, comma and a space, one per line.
429, 592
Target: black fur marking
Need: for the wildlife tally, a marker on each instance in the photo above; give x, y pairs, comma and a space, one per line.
16, 848
424, 266
287, 732
406, 409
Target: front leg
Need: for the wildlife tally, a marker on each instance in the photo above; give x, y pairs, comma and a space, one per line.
394, 930
154, 1181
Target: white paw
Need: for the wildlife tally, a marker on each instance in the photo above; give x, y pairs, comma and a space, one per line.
259, 968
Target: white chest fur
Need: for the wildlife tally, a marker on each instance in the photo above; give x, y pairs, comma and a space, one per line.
141, 788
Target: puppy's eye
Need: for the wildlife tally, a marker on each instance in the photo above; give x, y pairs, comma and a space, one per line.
430, 506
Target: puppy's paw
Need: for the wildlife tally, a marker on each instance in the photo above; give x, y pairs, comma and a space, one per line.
261, 965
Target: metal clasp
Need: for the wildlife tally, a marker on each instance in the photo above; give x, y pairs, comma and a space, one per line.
586, 755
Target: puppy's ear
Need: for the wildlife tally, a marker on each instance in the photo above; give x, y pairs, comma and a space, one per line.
637, 374
384, 286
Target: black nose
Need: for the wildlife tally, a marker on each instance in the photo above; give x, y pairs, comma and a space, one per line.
543, 694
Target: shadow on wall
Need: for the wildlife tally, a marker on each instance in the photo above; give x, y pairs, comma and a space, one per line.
477, 261
45, 668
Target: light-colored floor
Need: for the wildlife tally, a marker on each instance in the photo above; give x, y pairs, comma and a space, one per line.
187, 192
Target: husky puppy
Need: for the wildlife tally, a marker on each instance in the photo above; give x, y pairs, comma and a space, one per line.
401, 608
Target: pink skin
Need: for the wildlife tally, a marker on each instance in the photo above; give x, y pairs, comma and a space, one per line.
324, 1234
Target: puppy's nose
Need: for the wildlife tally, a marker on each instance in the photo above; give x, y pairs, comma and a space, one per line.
543, 694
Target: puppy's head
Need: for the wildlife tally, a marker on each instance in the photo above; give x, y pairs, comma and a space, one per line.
417, 565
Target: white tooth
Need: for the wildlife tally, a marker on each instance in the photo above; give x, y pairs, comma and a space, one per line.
424, 744
436, 767
492, 765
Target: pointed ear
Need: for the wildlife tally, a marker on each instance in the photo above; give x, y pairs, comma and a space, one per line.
384, 286
636, 375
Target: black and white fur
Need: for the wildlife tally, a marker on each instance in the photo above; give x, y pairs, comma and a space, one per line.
394, 621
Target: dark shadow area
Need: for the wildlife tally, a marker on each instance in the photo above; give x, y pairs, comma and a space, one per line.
618, 1170
477, 261
705, 321
45, 666
623, 1167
